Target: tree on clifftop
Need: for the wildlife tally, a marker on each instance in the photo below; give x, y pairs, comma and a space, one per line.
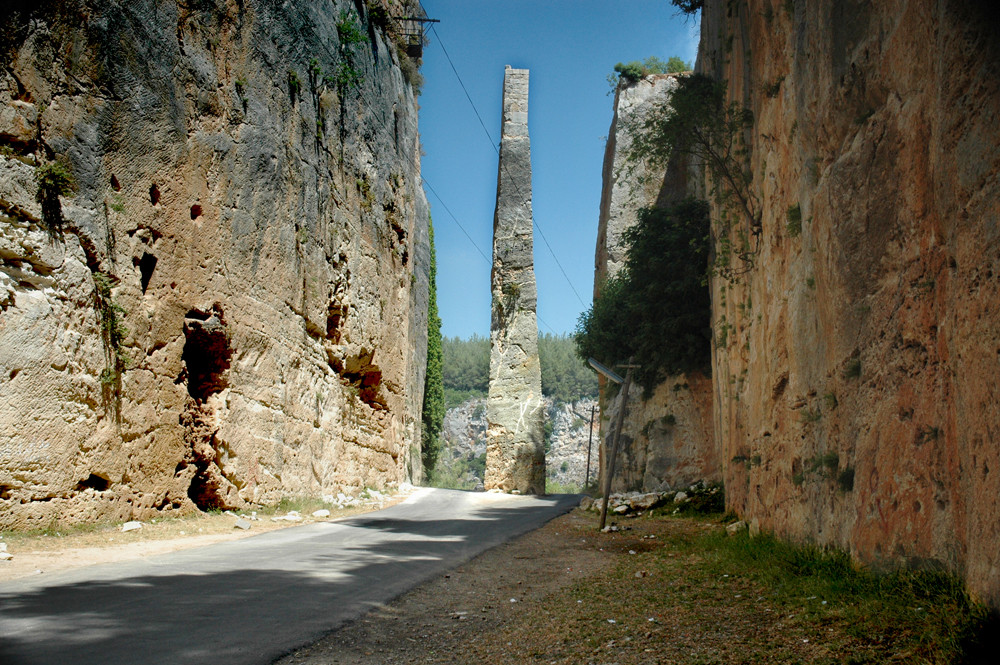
433, 412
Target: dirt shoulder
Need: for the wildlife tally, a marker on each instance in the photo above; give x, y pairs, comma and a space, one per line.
37, 554
653, 592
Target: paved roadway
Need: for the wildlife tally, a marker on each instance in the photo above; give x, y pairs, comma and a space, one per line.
253, 600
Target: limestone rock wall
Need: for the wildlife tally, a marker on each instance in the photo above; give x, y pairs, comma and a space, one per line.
668, 439
230, 303
515, 454
856, 364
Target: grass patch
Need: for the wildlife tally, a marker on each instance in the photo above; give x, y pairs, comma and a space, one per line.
926, 616
681, 590
553, 486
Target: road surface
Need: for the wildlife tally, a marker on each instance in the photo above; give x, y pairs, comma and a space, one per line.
253, 600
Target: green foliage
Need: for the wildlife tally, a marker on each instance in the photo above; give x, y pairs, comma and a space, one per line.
657, 308
466, 371
702, 499
564, 378
349, 30
113, 334
294, 85
634, 71
774, 87
54, 180
466, 365
853, 368
346, 74
434, 403
688, 6
810, 415
827, 462
696, 121
410, 69
794, 225
845, 479
378, 15
507, 305
458, 475
553, 486
675, 65
923, 616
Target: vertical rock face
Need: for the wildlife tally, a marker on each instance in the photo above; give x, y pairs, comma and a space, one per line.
667, 439
626, 187
857, 363
515, 451
229, 302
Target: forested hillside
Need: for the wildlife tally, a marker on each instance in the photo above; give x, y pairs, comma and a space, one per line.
467, 369
565, 382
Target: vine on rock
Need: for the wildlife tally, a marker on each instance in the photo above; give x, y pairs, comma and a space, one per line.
697, 121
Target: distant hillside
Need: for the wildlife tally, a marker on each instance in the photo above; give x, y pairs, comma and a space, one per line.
570, 390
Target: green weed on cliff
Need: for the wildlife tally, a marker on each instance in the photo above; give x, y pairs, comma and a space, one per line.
54, 180
794, 224
113, 334
346, 74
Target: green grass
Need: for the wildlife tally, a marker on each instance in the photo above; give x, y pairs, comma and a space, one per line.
926, 614
553, 486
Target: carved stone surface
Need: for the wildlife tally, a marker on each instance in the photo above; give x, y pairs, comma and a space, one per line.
260, 240
667, 438
515, 441
856, 392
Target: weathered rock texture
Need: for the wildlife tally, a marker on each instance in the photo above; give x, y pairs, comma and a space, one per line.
667, 439
463, 442
858, 377
232, 306
626, 187
515, 456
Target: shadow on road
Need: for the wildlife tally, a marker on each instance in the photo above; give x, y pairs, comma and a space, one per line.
253, 600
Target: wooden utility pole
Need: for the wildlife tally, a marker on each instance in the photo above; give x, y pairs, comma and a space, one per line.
590, 444
620, 422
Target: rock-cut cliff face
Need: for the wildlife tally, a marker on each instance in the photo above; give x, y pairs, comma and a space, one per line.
857, 360
667, 439
213, 256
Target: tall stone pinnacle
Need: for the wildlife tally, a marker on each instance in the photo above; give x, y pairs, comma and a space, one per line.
515, 440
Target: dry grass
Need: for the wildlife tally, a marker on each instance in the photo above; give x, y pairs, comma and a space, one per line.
662, 590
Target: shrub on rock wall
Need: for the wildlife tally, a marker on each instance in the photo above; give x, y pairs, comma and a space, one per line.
657, 308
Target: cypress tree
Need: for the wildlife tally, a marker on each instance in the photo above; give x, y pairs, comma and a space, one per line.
433, 411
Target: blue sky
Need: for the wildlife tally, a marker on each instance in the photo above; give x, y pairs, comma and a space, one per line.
570, 46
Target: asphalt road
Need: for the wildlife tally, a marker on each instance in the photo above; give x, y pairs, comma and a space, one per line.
254, 600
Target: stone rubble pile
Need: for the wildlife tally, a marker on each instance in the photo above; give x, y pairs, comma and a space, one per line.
635, 503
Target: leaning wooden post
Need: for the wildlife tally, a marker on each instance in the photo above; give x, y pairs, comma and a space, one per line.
614, 445
590, 445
